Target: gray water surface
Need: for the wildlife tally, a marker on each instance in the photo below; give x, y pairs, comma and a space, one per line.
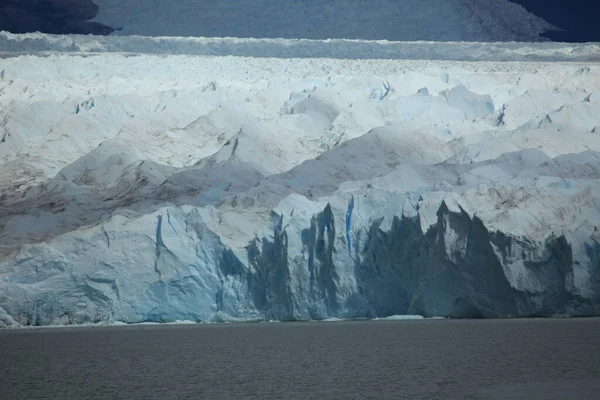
427, 359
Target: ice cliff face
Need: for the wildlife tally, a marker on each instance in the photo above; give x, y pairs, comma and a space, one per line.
148, 188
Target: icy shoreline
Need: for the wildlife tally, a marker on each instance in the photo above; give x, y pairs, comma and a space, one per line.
200, 323
393, 318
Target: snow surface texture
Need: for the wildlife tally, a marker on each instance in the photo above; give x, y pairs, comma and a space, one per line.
165, 188
12, 45
436, 20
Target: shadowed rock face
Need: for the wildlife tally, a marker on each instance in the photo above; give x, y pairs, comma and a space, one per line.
51, 16
577, 19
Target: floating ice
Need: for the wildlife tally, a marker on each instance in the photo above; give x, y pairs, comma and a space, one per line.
403, 317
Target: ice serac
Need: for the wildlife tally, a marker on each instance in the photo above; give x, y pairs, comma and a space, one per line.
231, 189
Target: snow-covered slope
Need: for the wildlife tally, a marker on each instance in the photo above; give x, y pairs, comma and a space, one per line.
436, 20
160, 188
12, 45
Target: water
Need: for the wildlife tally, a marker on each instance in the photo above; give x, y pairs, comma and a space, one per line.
427, 359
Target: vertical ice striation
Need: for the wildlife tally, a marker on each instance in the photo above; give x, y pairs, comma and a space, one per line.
349, 223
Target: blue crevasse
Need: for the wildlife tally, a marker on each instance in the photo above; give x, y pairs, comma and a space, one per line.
349, 223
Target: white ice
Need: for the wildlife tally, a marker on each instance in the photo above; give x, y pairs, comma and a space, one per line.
159, 188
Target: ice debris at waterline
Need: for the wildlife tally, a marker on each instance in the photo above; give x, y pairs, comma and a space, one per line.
166, 188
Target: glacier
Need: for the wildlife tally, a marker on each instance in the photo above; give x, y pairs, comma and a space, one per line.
140, 186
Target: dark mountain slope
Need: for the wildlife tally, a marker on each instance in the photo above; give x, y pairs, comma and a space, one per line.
51, 16
578, 19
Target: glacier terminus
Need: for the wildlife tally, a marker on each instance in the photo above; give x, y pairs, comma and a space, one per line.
142, 186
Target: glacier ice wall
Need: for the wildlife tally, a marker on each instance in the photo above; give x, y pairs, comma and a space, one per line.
147, 188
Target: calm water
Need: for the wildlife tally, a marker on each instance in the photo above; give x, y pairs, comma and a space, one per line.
431, 359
